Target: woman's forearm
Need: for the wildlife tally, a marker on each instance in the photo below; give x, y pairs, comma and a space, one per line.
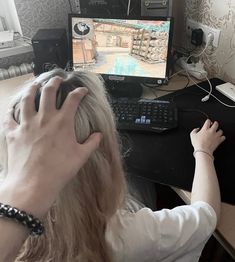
205, 184
12, 237
13, 234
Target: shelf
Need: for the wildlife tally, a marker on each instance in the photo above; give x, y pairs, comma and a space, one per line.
20, 47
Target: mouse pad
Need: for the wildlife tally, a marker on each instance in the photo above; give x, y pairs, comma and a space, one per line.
167, 158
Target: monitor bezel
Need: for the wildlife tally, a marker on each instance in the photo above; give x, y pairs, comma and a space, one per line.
128, 78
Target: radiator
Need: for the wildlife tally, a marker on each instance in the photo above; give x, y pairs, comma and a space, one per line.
14, 71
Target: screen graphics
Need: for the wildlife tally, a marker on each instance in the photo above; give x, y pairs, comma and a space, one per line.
121, 47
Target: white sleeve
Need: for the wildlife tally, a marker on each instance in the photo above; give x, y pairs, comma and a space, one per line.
164, 235
185, 228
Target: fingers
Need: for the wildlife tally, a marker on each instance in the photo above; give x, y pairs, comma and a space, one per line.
73, 100
9, 123
214, 126
27, 103
220, 132
207, 124
194, 131
222, 138
220, 135
48, 95
89, 146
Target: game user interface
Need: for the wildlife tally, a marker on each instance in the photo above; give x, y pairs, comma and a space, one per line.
121, 47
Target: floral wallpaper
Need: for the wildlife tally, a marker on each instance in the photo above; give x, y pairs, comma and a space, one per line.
220, 62
220, 14
16, 60
36, 14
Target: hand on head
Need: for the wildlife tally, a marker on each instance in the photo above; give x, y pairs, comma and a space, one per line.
42, 150
208, 138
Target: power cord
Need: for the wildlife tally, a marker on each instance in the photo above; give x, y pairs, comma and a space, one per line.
18, 36
209, 93
154, 91
209, 41
195, 110
128, 7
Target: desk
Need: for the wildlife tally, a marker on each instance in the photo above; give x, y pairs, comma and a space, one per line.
225, 232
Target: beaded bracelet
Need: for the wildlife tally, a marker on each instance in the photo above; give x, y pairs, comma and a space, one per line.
202, 151
34, 225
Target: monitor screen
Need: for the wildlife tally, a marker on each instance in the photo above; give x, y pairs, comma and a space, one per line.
122, 49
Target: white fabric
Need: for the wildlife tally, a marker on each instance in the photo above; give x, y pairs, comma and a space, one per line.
177, 235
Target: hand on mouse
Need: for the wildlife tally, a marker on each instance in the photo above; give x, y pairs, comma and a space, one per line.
43, 154
208, 138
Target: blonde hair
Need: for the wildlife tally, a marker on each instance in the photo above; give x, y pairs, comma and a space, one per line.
75, 225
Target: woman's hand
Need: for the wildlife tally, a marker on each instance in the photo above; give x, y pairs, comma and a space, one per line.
43, 154
208, 138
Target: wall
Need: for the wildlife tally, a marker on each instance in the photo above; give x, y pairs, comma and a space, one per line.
218, 14
8, 12
36, 14
16, 60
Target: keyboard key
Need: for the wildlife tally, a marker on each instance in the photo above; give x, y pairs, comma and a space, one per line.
148, 121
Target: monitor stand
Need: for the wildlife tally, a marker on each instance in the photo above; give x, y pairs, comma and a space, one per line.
123, 89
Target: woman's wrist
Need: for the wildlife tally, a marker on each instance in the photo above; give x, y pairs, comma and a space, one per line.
203, 152
26, 197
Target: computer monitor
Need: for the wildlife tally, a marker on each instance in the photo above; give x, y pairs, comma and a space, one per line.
122, 50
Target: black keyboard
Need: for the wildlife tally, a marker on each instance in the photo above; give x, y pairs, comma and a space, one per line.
144, 114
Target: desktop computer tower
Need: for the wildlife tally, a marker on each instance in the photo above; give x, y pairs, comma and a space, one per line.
50, 48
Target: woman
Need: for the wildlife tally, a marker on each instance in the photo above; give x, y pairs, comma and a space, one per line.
88, 219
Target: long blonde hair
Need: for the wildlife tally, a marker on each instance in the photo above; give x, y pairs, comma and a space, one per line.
75, 225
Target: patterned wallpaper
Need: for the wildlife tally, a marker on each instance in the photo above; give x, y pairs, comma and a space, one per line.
16, 60
219, 14
220, 62
36, 14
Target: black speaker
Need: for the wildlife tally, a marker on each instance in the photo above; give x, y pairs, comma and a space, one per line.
50, 48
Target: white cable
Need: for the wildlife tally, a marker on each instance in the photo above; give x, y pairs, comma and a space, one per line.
178, 72
206, 98
210, 38
128, 7
209, 92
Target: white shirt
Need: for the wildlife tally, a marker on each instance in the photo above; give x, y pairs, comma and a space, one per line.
177, 235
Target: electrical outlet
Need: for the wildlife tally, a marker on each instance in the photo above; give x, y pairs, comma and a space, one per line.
191, 24
195, 69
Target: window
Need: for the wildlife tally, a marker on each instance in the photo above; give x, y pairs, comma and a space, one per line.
9, 13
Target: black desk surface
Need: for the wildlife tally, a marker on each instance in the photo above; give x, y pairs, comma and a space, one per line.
167, 158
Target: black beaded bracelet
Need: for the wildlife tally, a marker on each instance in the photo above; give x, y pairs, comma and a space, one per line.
34, 225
